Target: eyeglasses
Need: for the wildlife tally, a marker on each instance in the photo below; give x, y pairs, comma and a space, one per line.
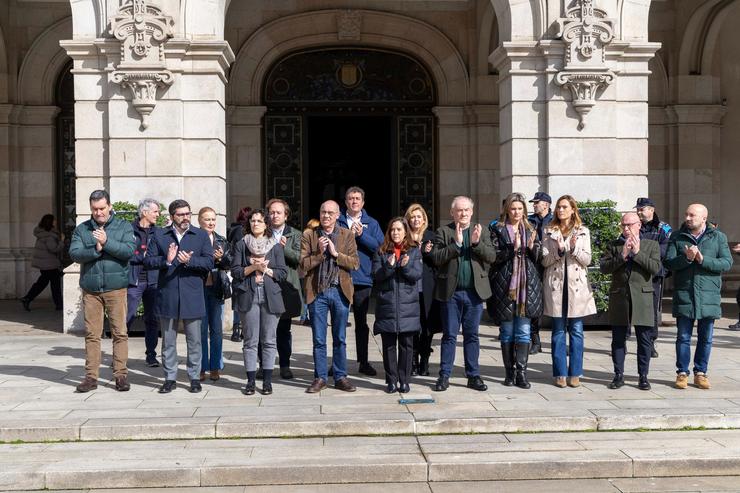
328, 213
627, 225
183, 214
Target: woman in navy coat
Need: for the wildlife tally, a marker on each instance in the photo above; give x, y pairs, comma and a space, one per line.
396, 271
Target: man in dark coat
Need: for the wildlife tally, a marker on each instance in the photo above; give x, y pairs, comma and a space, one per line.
142, 283
697, 255
462, 255
539, 220
183, 254
632, 261
654, 229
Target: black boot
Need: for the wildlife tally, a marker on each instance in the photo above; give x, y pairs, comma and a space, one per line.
507, 352
536, 345
522, 356
415, 364
423, 365
236, 333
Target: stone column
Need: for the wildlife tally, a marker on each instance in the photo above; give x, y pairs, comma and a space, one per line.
454, 176
244, 130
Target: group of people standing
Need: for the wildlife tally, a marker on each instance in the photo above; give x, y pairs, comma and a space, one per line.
523, 266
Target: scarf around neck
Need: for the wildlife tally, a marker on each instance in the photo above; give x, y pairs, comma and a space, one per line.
518, 282
259, 247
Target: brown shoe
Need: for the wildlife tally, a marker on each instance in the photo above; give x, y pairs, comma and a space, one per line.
316, 386
701, 381
682, 381
345, 385
560, 382
214, 375
122, 384
574, 381
202, 376
88, 384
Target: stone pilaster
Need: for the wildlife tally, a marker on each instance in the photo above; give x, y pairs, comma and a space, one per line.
454, 164
244, 131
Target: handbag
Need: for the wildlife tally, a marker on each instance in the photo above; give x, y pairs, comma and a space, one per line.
225, 282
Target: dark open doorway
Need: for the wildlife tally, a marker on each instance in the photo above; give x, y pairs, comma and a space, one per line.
351, 150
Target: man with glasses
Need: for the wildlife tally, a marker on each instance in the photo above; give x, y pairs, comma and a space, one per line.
183, 255
328, 256
632, 260
142, 283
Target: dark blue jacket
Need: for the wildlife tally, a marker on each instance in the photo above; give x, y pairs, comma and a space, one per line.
539, 223
180, 294
367, 244
659, 231
397, 303
136, 264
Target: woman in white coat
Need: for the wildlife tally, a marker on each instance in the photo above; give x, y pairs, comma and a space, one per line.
566, 254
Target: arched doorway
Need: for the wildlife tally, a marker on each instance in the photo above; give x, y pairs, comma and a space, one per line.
65, 176
338, 117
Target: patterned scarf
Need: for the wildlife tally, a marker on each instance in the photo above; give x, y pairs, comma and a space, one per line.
329, 270
259, 246
518, 282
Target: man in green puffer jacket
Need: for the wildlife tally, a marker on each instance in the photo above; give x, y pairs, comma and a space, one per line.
697, 254
102, 246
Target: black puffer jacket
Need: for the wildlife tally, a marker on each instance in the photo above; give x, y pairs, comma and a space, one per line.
397, 303
500, 306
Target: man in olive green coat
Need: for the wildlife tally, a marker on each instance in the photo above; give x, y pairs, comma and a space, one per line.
697, 254
632, 261
102, 246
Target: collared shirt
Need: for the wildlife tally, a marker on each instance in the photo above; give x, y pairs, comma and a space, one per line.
701, 233
351, 220
178, 235
278, 233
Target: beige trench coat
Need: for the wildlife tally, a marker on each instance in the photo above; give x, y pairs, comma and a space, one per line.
580, 298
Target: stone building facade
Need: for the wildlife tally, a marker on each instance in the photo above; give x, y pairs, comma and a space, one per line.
225, 103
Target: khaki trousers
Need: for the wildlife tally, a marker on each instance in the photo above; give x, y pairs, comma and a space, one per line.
112, 303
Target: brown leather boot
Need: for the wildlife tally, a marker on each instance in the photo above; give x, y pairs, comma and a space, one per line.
122, 384
88, 384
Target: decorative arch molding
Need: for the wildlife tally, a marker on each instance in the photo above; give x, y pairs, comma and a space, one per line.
3, 69
88, 18
521, 20
701, 35
201, 19
43, 63
487, 30
319, 29
658, 76
633, 20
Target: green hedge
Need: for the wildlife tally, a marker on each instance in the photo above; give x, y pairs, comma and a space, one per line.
602, 220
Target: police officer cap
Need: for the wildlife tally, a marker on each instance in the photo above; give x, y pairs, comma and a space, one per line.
542, 196
644, 202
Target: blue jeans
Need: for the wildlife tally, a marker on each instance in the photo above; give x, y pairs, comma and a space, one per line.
561, 368
465, 307
212, 328
330, 301
704, 329
516, 331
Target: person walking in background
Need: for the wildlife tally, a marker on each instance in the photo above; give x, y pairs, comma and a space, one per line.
516, 286
539, 219
461, 254
566, 291
697, 255
328, 256
102, 246
368, 237
654, 229
142, 283
217, 289
183, 254
258, 268
46, 258
431, 322
233, 235
397, 269
632, 262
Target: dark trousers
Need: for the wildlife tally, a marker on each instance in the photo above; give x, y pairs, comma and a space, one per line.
644, 348
53, 276
397, 364
147, 294
423, 338
534, 329
360, 305
657, 305
737, 299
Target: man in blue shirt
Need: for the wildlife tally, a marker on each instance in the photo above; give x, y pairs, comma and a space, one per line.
539, 219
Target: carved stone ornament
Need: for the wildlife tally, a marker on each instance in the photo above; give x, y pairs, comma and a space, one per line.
349, 24
142, 30
586, 31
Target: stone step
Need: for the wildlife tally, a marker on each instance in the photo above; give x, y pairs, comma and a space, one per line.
344, 460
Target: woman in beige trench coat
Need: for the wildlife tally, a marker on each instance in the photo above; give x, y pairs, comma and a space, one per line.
566, 254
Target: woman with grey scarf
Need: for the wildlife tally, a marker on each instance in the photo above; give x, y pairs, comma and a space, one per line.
257, 268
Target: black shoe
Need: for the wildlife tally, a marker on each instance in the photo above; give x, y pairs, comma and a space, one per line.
260, 374
266, 389
423, 370
236, 333
617, 382
151, 362
643, 383
391, 388
195, 387
250, 389
26, 304
167, 387
654, 353
285, 373
735, 326
367, 369
442, 384
476, 383
404, 388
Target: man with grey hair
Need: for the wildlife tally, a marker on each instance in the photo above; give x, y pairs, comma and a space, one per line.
461, 254
142, 283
